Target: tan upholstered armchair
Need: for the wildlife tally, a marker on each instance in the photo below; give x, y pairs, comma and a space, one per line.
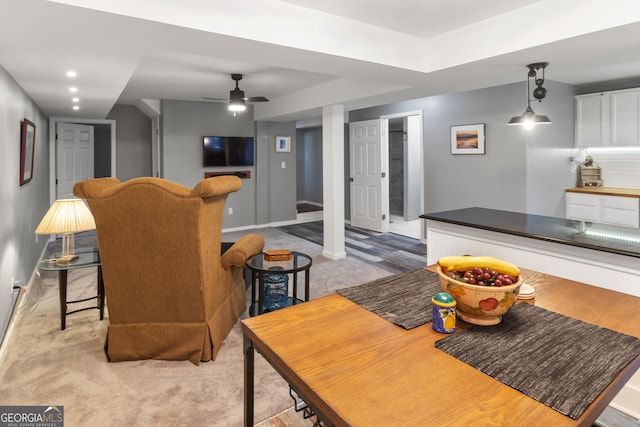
170, 293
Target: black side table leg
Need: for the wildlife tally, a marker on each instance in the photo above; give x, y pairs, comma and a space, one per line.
254, 277
248, 381
260, 293
62, 285
100, 292
295, 288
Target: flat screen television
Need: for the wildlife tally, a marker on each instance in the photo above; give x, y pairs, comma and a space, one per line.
227, 150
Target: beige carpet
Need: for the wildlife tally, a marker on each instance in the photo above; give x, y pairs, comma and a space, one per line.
42, 365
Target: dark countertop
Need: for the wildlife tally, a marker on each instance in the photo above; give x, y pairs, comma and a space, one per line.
605, 238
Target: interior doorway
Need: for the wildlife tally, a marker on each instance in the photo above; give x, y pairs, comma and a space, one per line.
309, 175
403, 220
104, 152
406, 175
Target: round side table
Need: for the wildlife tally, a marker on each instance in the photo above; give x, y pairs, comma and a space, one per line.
299, 262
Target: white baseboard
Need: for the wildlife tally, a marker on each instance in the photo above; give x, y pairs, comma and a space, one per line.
307, 202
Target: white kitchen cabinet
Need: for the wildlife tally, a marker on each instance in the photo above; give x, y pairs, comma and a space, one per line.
608, 119
584, 207
592, 126
625, 117
613, 210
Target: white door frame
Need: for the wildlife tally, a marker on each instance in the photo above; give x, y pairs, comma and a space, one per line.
385, 128
53, 123
155, 146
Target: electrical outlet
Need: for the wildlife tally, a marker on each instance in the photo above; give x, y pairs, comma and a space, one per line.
16, 284
230, 211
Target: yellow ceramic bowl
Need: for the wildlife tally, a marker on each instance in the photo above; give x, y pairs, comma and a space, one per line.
480, 305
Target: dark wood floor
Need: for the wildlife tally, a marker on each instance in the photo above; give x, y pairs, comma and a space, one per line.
392, 252
306, 207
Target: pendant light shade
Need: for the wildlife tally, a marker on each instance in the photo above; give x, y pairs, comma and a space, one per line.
529, 118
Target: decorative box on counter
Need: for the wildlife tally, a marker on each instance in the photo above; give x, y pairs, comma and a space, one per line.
590, 173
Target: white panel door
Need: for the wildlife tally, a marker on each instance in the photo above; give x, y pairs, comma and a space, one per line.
366, 175
74, 157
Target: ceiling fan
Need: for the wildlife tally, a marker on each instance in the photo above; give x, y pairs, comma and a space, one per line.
237, 99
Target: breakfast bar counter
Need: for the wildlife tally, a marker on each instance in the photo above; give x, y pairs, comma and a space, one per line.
597, 254
617, 240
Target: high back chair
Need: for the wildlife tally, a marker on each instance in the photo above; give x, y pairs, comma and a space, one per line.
170, 293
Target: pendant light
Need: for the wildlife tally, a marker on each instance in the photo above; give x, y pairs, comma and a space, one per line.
529, 118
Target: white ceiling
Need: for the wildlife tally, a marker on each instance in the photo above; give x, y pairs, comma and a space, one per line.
304, 54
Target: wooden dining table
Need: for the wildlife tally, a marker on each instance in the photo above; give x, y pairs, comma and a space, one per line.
354, 368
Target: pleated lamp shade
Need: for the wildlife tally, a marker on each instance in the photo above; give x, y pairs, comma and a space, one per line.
66, 216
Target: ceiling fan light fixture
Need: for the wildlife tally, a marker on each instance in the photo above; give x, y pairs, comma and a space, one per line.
237, 105
237, 101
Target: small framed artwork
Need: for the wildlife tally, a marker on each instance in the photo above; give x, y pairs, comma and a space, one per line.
283, 144
468, 139
27, 146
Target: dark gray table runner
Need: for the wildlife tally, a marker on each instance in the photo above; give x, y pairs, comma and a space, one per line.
562, 362
403, 299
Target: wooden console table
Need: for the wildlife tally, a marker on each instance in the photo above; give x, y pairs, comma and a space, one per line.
356, 369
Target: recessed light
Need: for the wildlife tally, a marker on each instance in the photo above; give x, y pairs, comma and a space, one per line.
71, 74
76, 107
75, 99
73, 89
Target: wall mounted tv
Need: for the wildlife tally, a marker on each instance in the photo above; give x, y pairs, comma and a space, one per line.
227, 150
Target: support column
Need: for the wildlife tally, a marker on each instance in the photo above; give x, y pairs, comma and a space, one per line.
333, 181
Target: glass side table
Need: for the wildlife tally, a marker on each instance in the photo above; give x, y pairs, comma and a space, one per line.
87, 257
299, 262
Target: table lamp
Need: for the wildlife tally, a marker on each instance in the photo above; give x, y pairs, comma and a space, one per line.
66, 217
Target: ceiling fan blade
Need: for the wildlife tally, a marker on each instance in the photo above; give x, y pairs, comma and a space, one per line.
256, 99
216, 99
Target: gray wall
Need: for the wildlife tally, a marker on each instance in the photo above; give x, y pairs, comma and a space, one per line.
133, 147
549, 148
309, 165
102, 150
276, 196
23, 207
269, 196
183, 124
522, 171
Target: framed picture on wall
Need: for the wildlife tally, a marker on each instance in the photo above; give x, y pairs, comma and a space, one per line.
27, 147
283, 144
468, 139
